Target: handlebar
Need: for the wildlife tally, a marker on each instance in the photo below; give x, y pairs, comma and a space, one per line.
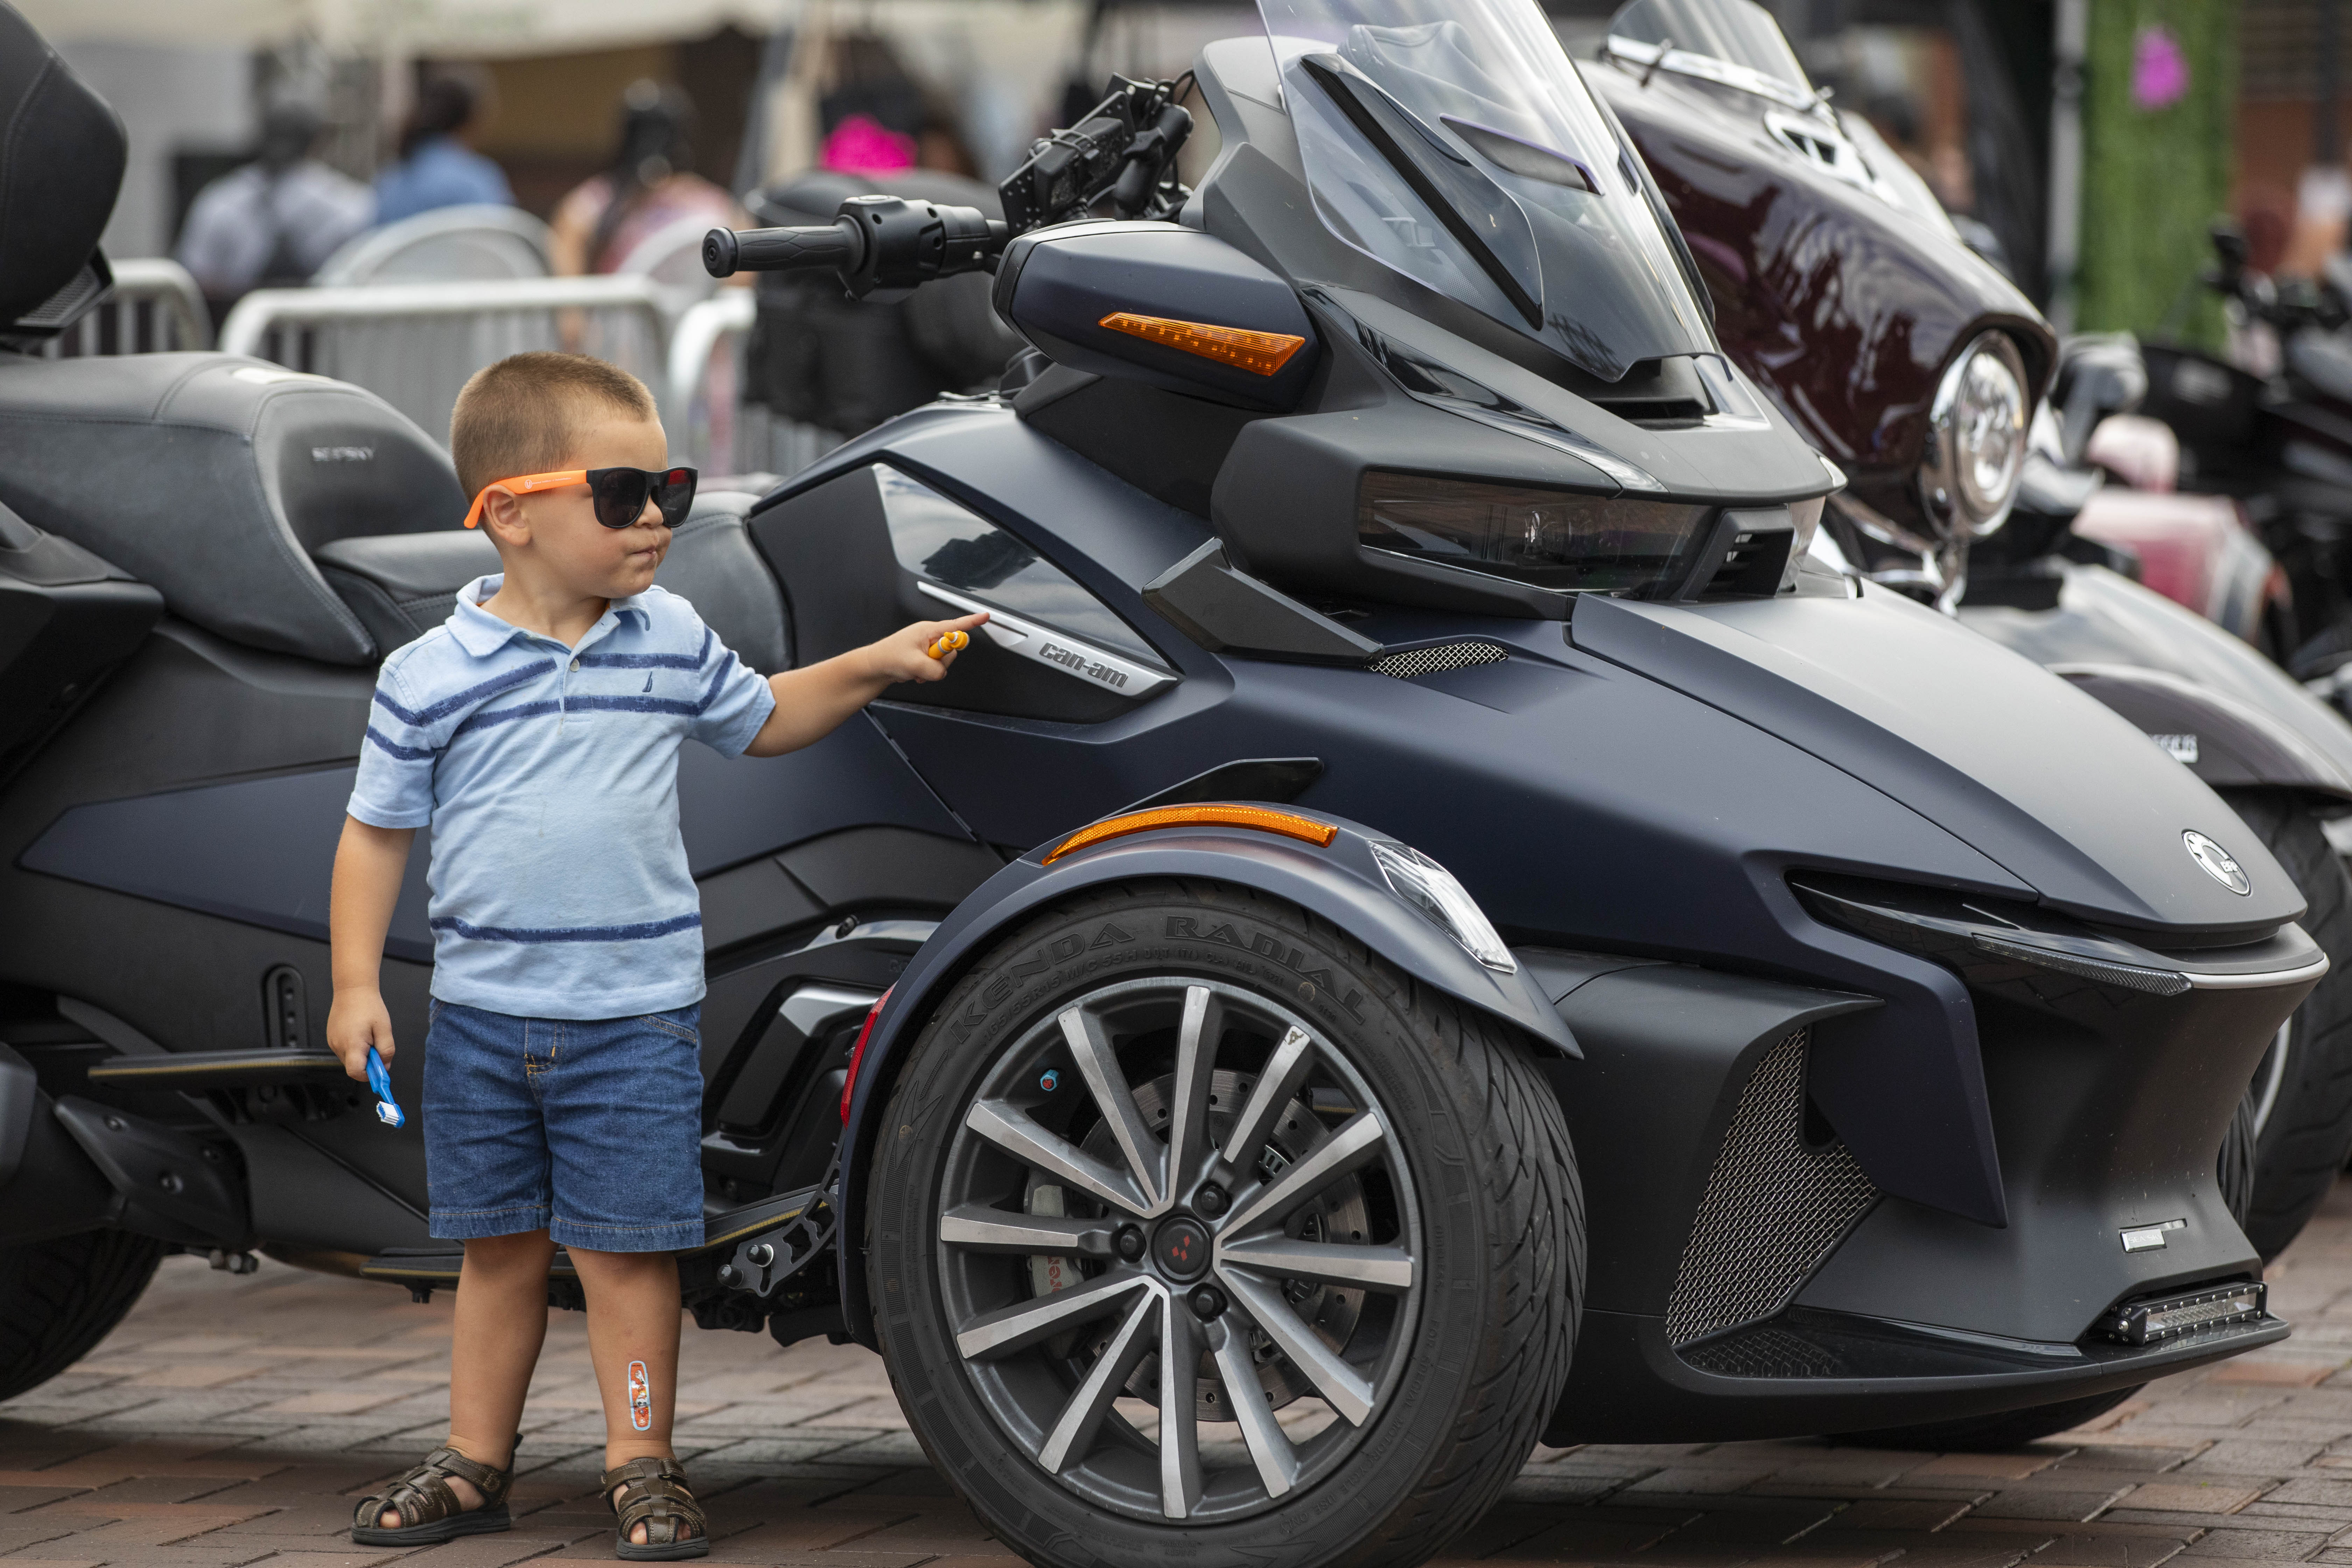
839, 245
879, 246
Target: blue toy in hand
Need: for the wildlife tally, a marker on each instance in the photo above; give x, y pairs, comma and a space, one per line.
387, 1109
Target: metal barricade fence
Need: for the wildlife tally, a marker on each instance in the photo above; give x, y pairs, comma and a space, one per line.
414, 344
709, 423
154, 306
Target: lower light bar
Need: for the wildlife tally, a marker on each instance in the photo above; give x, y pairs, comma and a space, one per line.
2148, 1322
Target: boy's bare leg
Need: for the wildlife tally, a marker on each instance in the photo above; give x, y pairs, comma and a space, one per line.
632, 1321
502, 1321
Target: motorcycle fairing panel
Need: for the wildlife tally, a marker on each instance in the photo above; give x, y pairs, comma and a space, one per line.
1837, 954
2172, 673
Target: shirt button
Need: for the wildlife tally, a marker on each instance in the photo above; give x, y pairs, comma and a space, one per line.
575, 664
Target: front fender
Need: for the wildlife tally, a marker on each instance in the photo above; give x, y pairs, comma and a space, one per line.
1341, 882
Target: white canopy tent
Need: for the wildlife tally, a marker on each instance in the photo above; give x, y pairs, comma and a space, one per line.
491, 28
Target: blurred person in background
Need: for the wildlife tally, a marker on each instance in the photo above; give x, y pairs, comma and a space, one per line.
649, 186
2323, 206
273, 221
439, 166
878, 119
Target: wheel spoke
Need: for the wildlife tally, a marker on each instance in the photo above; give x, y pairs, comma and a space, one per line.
1356, 1143
1196, 1064
1019, 1136
1016, 1327
1098, 1065
1073, 1434
978, 1228
1269, 1446
1179, 1419
1285, 1070
1341, 1386
1383, 1268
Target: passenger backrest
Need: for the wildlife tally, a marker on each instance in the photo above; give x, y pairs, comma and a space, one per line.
213, 478
404, 585
713, 564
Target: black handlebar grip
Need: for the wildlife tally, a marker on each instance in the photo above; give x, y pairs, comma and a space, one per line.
832, 246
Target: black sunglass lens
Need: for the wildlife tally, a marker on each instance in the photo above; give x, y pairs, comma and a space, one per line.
673, 493
620, 495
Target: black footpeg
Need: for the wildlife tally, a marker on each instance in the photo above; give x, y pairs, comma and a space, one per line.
776, 1250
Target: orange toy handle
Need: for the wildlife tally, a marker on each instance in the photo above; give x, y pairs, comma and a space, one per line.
953, 642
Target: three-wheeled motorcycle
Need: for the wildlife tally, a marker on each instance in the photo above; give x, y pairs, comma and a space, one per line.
1419, 876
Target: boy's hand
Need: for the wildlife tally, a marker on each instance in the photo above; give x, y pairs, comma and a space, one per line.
356, 1020
906, 654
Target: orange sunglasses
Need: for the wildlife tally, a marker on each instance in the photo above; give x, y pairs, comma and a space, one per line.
620, 494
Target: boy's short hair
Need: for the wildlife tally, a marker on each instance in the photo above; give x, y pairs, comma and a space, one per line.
523, 414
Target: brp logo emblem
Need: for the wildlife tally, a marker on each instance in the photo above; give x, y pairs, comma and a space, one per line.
2216, 862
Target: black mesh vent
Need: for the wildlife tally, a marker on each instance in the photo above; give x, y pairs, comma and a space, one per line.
1442, 656
1774, 1206
1766, 1351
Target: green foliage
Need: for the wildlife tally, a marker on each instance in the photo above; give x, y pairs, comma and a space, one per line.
2155, 180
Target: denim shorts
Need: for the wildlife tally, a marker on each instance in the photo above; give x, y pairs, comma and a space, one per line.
590, 1131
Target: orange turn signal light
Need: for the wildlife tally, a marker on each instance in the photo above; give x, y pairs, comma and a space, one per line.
1305, 829
1260, 353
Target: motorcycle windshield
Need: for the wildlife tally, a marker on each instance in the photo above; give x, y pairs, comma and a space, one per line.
1452, 141
1735, 42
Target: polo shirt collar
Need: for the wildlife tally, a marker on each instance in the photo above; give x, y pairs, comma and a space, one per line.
482, 634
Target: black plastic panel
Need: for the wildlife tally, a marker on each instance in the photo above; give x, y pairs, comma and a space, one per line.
833, 550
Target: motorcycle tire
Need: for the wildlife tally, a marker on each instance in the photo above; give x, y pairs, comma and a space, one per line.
2303, 1089
1413, 1137
59, 1297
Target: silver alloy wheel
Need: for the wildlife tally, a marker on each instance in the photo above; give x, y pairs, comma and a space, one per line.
1168, 1174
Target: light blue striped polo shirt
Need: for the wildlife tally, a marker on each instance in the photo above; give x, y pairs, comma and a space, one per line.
549, 777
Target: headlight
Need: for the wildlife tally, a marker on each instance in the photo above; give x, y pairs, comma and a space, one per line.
1430, 889
1553, 538
1976, 439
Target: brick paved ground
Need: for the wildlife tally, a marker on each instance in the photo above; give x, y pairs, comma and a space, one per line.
233, 1421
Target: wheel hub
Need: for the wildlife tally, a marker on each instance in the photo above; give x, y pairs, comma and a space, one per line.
1180, 1249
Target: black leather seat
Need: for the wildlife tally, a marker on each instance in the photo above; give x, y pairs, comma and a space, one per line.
403, 585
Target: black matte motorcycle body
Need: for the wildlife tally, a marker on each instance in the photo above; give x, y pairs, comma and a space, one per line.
1419, 877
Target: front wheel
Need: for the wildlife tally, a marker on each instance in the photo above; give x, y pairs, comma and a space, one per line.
2302, 1091
1198, 1231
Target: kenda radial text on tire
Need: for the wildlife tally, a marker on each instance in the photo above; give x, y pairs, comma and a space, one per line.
1367, 1245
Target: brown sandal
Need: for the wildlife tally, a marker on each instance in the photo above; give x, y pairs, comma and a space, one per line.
655, 1493
428, 1506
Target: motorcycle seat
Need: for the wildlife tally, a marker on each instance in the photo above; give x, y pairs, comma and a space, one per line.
211, 478
401, 585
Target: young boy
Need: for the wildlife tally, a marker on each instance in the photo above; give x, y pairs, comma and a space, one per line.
537, 732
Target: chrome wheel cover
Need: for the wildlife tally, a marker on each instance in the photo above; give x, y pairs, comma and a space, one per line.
1276, 1239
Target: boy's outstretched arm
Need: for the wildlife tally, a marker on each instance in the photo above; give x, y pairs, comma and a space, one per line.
369, 863
811, 702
